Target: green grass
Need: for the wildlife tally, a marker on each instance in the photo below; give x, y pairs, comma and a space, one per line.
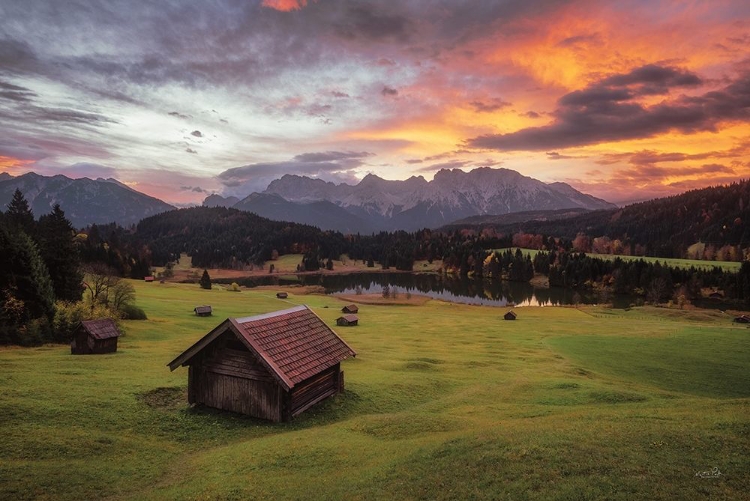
443, 401
732, 266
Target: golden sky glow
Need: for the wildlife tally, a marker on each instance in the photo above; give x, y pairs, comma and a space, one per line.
624, 100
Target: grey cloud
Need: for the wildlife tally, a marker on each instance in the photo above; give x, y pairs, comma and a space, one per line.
196, 133
179, 115
607, 111
338, 94
389, 91
580, 40
332, 156
190, 150
363, 20
329, 165
490, 105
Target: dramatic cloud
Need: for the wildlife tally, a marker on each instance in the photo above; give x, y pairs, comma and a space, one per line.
608, 110
138, 85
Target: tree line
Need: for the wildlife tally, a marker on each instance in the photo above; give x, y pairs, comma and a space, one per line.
43, 279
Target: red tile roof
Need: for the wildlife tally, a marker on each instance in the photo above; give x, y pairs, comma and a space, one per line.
294, 344
103, 328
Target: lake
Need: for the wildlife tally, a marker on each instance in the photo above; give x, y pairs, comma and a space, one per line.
445, 287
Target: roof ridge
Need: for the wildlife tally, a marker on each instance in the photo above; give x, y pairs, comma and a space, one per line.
272, 314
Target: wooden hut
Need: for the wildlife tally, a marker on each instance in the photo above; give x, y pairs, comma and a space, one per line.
511, 315
350, 308
203, 311
282, 295
148, 279
95, 336
742, 319
347, 320
272, 366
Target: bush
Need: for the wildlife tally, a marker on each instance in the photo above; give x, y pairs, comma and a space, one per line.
234, 287
132, 312
68, 316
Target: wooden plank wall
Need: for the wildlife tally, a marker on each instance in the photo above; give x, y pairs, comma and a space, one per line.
314, 389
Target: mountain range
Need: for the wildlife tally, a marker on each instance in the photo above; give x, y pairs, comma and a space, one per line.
84, 201
376, 204
372, 205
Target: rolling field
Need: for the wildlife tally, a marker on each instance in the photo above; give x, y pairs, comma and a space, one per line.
442, 402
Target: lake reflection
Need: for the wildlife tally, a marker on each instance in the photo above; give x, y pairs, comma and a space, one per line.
447, 288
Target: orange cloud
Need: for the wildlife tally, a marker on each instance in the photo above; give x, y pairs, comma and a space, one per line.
10, 164
285, 5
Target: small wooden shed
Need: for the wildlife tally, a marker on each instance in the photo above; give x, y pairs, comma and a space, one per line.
350, 308
95, 336
203, 311
148, 279
272, 366
347, 320
511, 315
282, 295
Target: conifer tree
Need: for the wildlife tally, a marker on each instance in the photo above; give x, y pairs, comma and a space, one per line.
19, 214
60, 255
205, 280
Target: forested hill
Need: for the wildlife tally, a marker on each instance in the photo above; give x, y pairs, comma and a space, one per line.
666, 227
218, 236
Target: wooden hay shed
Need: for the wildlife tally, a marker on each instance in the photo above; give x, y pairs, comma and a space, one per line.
350, 308
203, 311
95, 336
282, 295
272, 366
347, 320
511, 315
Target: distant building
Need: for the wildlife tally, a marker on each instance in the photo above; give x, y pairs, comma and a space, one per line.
95, 336
347, 320
351, 308
511, 315
272, 366
148, 279
716, 295
282, 295
742, 319
203, 311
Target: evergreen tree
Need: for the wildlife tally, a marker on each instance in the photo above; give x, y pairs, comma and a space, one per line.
205, 280
25, 289
60, 255
19, 214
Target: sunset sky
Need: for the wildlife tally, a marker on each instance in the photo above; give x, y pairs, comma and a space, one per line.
624, 100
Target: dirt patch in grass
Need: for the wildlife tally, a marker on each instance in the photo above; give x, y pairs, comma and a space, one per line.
165, 398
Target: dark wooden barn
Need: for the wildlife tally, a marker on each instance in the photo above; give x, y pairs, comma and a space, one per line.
95, 336
347, 320
350, 308
272, 366
203, 311
511, 315
282, 295
742, 319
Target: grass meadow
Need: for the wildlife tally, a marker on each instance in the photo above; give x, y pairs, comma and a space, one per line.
729, 266
442, 402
